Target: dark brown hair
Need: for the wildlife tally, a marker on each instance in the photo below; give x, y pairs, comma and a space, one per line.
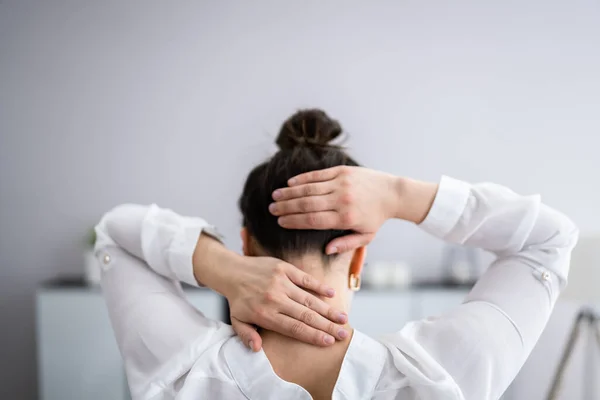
304, 142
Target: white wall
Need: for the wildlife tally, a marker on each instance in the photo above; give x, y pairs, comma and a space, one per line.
173, 102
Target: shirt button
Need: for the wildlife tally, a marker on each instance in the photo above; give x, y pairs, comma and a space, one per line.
106, 259
545, 276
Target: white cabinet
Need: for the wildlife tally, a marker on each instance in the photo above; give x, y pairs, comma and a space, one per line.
78, 356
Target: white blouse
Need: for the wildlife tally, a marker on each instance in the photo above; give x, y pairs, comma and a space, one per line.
171, 350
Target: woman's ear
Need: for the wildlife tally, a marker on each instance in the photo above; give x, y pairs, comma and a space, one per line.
245, 241
356, 265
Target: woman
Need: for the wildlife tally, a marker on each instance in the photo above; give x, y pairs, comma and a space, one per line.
308, 212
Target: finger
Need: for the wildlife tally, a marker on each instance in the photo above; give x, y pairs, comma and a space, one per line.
316, 176
247, 333
314, 320
303, 280
312, 302
303, 205
296, 329
310, 189
313, 220
349, 242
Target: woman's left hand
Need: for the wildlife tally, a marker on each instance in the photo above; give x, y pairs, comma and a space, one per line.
342, 197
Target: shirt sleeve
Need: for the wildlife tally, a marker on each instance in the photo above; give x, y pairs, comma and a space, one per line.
144, 253
476, 350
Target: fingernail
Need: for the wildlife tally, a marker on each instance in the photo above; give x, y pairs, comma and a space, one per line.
330, 292
272, 207
342, 317
342, 333
329, 339
332, 250
251, 344
277, 194
292, 181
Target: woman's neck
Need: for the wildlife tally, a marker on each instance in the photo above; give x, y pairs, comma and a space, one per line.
313, 367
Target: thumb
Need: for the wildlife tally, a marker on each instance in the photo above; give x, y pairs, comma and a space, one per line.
247, 333
349, 242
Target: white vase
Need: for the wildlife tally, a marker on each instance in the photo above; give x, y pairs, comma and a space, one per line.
382, 274
91, 271
400, 275
377, 275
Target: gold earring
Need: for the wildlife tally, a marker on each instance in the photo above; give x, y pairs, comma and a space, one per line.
354, 282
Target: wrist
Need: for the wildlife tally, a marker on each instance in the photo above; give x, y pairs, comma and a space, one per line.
212, 262
399, 187
413, 199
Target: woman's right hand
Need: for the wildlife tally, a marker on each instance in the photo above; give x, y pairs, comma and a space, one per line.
278, 296
350, 198
269, 293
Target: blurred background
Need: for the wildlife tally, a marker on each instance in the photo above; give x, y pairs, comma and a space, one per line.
174, 102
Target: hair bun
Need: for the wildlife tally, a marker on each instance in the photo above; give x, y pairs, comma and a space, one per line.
311, 128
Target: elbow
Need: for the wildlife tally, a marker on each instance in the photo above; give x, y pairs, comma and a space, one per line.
569, 232
124, 210
109, 228
564, 233
103, 229
558, 236
573, 236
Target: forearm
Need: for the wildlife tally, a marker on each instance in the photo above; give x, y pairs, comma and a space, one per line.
487, 216
164, 240
496, 219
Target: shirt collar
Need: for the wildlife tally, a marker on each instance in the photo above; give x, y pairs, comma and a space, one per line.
361, 368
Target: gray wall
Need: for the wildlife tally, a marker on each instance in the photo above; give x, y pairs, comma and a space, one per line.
107, 102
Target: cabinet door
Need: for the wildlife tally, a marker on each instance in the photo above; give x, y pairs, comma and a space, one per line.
78, 356
379, 312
